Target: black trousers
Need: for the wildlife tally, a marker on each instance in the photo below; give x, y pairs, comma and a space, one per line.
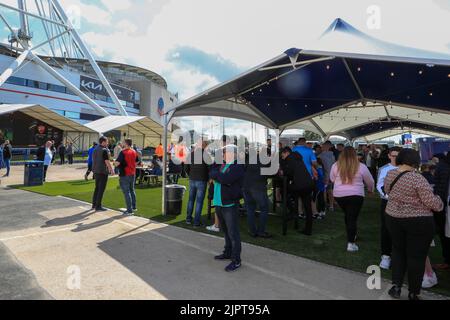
306, 198
62, 159
45, 172
101, 180
385, 236
319, 199
440, 219
229, 224
89, 170
70, 158
352, 207
411, 240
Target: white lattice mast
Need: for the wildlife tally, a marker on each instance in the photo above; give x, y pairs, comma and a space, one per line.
60, 36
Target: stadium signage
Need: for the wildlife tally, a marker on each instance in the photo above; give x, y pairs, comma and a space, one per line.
95, 86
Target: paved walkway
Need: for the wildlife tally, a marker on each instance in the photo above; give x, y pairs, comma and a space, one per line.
47, 244
56, 173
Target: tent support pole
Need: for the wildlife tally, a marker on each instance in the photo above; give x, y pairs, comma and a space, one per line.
164, 209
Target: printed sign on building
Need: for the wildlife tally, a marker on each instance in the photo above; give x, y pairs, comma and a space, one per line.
95, 86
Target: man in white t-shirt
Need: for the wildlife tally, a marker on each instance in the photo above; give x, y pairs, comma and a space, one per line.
386, 241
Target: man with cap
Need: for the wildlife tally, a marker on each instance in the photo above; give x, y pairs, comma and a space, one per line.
227, 194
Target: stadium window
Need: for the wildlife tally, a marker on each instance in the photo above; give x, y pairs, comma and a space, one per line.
56, 88
72, 115
33, 84
100, 97
61, 112
17, 81
43, 86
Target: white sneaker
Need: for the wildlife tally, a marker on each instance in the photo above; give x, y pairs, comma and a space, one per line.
429, 281
385, 262
352, 247
323, 214
213, 228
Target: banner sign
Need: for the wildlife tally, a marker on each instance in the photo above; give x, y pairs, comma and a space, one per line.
407, 140
95, 86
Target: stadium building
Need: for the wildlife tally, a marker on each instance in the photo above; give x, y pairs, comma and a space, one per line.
71, 84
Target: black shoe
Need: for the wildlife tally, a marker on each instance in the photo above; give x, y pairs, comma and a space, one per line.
253, 235
101, 209
395, 292
264, 235
233, 266
200, 225
414, 297
222, 257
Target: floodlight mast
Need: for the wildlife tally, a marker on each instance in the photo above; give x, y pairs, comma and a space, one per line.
60, 32
89, 56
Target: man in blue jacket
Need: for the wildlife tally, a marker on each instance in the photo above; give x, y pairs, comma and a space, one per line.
90, 153
227, 194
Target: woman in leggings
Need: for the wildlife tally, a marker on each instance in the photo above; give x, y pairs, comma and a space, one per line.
349, 177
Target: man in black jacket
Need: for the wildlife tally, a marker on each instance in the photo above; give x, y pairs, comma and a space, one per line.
442, 177
300, 185
197, 170
227, 194
255, 195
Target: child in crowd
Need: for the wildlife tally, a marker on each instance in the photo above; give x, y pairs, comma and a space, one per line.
319, 193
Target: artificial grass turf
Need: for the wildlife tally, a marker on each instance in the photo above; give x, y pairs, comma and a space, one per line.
327, 245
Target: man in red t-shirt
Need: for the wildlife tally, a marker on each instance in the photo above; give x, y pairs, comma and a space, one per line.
126, 162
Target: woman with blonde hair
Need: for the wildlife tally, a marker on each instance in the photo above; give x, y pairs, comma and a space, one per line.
349, 177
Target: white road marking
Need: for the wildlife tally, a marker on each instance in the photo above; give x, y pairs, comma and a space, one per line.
37, 234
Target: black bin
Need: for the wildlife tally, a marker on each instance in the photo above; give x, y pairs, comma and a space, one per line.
174, 199
34, 173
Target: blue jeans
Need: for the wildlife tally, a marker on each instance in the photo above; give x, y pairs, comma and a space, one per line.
256, 198
127, 185
229, 224
7, 166
197, 192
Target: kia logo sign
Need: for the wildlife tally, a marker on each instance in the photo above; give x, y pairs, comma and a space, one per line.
95, 86
91, 85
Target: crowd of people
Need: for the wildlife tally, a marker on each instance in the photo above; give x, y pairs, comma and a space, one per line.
414, 200
414, 196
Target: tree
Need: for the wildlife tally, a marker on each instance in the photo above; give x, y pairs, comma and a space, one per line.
312, 136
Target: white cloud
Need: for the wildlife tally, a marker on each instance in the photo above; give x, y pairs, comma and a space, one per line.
117, 5
246, 32
90, 12
126, 26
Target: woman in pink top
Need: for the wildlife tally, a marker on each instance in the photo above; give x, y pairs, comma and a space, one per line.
349, 177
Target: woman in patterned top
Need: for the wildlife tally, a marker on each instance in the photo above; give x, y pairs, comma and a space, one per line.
409, 221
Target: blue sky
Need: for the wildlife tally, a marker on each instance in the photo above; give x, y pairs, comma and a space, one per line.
196, 44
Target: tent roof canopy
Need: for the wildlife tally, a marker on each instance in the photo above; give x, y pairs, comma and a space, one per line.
333, 92
45, 115
140, 125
